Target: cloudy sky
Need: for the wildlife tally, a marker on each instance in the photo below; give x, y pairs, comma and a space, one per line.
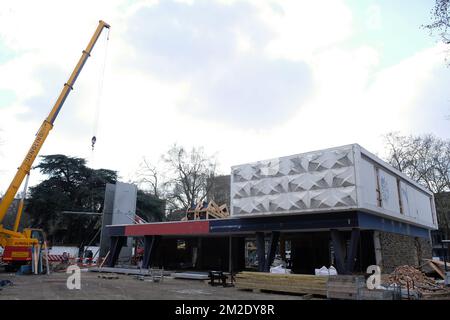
248, 80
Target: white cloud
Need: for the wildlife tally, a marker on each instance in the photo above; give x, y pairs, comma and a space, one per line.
159, 89
302, 28
373, 20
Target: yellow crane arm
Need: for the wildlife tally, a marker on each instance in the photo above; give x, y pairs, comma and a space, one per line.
46, 126
21, 204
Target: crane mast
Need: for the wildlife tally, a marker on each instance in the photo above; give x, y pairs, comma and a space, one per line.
44, 130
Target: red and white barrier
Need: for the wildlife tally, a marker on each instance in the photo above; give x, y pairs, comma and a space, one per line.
84, 262
55, 258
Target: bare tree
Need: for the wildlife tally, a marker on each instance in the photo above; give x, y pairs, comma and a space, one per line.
426, 159
148, 175
441, 24
398, 147
441, 20
191, 174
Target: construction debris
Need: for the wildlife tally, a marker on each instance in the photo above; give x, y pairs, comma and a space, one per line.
411, 278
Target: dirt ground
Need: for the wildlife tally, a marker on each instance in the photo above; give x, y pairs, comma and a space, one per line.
126, 287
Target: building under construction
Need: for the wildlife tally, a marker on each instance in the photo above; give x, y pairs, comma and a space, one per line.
341, 206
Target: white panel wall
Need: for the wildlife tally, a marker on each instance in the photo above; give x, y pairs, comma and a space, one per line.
298, 183
388, 191
368, 184
407, 200
124, 203
415, 200
337, 179
421, 211
124, 210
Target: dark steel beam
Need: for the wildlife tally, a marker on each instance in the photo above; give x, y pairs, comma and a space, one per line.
278, 223
115, 247
339, 250
150, 245
274, 237
261, 250
352, 252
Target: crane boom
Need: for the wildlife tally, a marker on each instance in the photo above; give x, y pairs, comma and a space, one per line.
46, 126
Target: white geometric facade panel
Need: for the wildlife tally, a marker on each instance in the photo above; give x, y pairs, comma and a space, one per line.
318, 180
336, 179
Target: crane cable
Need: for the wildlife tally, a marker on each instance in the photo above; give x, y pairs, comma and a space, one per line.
97, 116
99, 96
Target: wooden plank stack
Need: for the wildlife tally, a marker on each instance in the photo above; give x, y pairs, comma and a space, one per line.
375, 294
290, 283
436, 266
346, 287
209, 210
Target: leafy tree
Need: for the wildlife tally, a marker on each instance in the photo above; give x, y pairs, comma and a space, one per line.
71, 186
150, 207
10, 217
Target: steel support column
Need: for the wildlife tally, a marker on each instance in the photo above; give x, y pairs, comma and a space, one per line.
339, 250
115, 247
230, 254
150, 245
351, 257
274, 237
261, 250
199, 262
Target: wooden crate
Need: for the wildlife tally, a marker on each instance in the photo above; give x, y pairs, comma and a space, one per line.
289, 283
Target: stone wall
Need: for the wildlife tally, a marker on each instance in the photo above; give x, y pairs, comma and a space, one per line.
397, 250
424, 249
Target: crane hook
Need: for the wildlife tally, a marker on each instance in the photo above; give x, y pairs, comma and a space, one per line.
93, 140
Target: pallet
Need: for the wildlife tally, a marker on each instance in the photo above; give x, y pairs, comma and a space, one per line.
287, 283
345, 287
